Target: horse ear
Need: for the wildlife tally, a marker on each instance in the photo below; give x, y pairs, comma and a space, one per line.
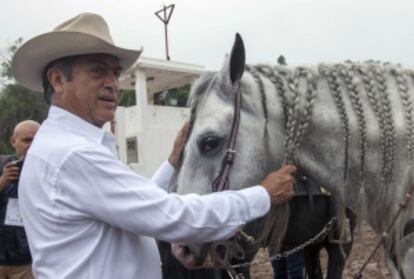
233, 66
237, 59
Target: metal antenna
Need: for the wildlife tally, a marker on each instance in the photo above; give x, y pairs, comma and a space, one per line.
166, 12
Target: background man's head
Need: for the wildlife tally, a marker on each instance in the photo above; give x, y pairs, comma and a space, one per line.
23, 135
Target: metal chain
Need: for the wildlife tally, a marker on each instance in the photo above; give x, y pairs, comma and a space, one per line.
321, 235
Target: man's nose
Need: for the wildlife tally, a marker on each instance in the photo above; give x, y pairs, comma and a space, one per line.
112, 83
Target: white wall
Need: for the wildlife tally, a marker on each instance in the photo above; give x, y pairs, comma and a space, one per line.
155, 139
155, 127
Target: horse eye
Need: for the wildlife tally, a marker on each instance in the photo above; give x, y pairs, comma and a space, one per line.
209, 144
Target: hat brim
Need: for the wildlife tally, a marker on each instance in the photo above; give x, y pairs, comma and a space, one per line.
32, 57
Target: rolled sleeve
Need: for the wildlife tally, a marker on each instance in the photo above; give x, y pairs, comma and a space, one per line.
162, 177
258, 201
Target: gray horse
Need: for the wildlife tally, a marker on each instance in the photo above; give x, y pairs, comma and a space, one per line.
348, 127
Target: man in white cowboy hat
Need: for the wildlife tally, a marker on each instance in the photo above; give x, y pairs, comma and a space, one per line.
86, 214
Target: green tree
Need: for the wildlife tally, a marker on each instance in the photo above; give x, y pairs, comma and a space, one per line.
6, 74
126, 98
16, 102
176, 97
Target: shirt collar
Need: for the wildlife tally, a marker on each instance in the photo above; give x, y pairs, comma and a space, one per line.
76, 125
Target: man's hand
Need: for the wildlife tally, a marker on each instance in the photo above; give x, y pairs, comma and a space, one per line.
179, 145
279, 184
10, 174
182, 254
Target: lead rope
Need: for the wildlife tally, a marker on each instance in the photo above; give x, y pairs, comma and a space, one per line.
402, 206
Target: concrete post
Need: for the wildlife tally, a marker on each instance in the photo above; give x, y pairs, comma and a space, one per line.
141, 97
120, 134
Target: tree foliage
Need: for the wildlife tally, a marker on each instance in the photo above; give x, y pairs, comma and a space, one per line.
176, 97
6, 73
16, 102
126, 98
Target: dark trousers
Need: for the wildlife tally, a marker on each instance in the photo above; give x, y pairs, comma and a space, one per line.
291, 267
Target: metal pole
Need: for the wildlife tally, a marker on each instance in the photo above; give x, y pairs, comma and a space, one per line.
165, 19
166, 35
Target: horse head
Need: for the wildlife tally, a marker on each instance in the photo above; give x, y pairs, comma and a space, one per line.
212, 102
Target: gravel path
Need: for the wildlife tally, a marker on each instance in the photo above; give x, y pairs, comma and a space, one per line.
364, 243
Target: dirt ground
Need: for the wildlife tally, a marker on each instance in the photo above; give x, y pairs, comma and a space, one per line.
364, 244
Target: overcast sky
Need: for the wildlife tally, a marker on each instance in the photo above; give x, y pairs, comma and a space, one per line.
201, 32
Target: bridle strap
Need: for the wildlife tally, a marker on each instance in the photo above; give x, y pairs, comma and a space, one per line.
221, 182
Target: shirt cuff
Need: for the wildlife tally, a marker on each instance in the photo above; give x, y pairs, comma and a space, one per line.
258, 200
163, 175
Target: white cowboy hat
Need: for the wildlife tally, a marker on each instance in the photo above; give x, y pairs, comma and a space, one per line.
86, 33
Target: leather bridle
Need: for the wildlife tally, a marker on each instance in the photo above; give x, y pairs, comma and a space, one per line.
221, 182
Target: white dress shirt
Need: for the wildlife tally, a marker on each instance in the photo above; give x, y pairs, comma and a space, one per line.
87, 215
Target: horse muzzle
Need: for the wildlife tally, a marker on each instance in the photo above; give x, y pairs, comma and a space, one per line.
218, 254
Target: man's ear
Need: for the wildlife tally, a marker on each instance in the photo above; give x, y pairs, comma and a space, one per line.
56, 79
12, 140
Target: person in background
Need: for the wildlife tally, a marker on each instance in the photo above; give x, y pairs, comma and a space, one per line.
15, 258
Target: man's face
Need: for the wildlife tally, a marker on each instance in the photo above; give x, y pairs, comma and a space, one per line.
92, 93
22, 138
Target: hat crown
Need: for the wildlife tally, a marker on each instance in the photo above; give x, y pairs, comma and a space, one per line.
83, 34
88, 23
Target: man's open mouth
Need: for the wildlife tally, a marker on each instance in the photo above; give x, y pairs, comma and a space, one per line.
108, 99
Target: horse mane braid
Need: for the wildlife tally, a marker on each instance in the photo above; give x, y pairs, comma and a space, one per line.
401, 79
257, 78
333, 82
310, 95
291, 112
388, 121
369, 86
296, 123
277, 81
289, 104
352, 86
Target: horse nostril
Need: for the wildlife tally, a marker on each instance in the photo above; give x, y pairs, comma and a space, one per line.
187, 250
240, 255
229, 250
220, 250
199, 252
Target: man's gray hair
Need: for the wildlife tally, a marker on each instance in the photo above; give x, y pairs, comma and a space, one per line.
63, 64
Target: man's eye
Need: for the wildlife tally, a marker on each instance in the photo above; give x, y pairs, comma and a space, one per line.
98, 71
